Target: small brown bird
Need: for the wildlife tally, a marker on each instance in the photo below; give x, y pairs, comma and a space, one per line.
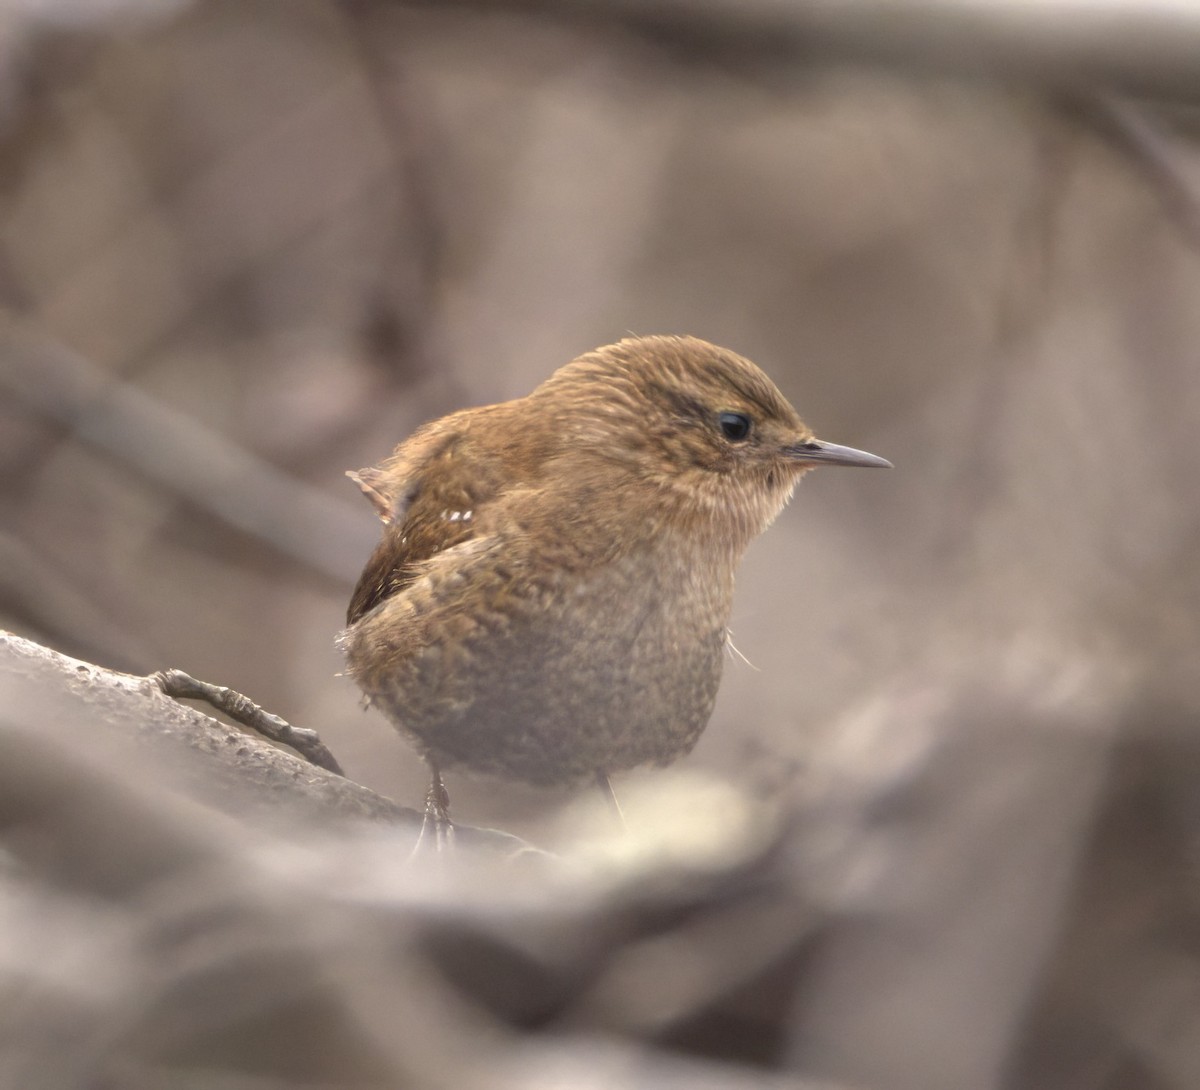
549, 600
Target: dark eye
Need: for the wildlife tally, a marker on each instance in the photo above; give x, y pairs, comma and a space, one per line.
735, 426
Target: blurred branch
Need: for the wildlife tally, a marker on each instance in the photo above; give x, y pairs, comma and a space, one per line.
325, 534
1140, 137
62, 605
412, 272
1149, 46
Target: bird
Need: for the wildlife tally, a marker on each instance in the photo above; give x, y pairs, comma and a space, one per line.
549, 599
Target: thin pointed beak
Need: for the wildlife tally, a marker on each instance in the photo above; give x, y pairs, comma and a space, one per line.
830, 454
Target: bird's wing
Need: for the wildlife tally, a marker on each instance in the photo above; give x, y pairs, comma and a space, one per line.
428, 496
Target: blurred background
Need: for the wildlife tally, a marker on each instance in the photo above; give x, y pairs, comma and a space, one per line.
246, 245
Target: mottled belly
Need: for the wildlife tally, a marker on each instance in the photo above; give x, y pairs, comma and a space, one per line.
559, 686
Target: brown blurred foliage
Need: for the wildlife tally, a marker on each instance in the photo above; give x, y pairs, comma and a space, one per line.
247, 244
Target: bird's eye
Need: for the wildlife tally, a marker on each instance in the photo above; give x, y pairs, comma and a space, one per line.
735, 426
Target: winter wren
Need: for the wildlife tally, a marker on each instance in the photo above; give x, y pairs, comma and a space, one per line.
549, 599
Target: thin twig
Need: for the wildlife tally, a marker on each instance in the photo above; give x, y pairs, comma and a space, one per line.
243, 710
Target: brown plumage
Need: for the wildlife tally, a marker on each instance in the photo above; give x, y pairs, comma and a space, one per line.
549, 598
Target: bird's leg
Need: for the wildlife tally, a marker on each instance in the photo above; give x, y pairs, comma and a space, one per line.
437, 824
606, 789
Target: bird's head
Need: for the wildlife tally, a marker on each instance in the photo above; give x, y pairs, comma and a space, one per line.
705, 427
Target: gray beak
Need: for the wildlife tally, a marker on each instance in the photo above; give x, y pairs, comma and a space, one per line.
816, 453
